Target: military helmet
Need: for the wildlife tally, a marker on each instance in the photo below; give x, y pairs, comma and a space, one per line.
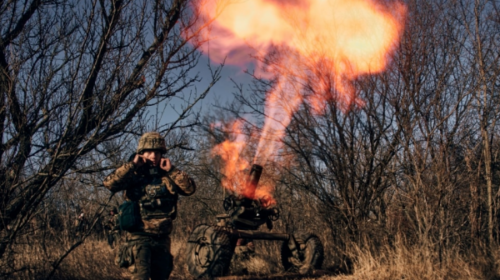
151, 141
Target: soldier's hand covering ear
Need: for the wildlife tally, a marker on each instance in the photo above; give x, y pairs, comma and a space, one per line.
165, 164
139, 160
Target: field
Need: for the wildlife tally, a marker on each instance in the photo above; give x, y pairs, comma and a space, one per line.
94, 259
391, 159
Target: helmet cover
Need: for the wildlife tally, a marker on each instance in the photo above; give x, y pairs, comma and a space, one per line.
151, 141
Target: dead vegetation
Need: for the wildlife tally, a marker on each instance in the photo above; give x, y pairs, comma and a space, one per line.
404, 187
95, 260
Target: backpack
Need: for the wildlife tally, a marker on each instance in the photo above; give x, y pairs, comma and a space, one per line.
129, 216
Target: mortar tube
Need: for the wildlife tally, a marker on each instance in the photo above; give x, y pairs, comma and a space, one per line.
253, 180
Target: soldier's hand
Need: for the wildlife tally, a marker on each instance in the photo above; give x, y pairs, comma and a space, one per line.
139, 160
165, 164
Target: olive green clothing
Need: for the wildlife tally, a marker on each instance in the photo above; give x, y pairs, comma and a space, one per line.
152, 257
113, 238
155, 190
125, 177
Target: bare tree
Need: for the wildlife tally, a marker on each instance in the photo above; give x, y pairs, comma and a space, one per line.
484, 59
419, 150
76, 80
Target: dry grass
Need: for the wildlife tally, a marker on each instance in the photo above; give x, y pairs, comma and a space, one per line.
92, 260
95, 260
263, 261
414, 263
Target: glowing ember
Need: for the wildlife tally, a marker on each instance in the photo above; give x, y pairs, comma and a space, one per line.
321, 43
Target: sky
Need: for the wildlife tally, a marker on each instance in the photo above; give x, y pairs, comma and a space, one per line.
340, 39
220, 94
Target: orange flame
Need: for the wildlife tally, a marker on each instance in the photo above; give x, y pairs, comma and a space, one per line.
235, 164
236, 167
324, 44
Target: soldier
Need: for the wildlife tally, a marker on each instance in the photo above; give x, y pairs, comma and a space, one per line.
152, 185
80, 224
112, 230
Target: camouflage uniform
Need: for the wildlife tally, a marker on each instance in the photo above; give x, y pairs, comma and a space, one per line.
113, 232
156, 191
